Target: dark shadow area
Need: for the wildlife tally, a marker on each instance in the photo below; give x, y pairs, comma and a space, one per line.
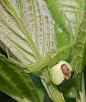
3, 52
5, 98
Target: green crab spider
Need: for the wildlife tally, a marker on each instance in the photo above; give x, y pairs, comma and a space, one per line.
36, 68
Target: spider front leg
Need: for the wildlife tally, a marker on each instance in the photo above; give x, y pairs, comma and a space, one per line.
50, 75
13, 60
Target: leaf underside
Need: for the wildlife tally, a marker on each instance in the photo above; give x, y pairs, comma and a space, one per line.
26, 29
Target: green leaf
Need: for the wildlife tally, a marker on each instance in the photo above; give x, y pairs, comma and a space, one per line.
63, 39
16, 83
79, 56
67, 15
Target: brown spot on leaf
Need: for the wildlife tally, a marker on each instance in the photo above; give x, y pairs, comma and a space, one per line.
65, 69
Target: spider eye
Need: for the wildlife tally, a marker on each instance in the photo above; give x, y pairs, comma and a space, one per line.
61, 73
